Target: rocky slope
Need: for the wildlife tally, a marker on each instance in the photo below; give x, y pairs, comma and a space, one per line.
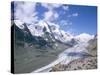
78, 64
88, 62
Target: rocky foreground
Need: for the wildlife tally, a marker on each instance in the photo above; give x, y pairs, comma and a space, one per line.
86, 63
78, 64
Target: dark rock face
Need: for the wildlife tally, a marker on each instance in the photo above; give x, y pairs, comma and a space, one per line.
23, 36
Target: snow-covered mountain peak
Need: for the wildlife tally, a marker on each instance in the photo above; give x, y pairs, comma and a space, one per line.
84, 37
19, 24
41, 27
53, 29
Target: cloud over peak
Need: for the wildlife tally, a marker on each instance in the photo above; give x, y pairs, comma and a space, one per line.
25, 12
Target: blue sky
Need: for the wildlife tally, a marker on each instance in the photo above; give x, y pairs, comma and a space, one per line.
87, 19
71, 18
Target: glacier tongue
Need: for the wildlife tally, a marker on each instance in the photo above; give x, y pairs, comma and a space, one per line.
64, 58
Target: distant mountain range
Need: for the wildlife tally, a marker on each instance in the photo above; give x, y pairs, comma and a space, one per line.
46, 34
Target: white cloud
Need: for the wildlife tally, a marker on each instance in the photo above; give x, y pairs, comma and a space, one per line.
51, 15
25, 12
50, 6
65, 23
75, 14
48, 15
51, 10
56, 15
65, 7
46, 5
57, 5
